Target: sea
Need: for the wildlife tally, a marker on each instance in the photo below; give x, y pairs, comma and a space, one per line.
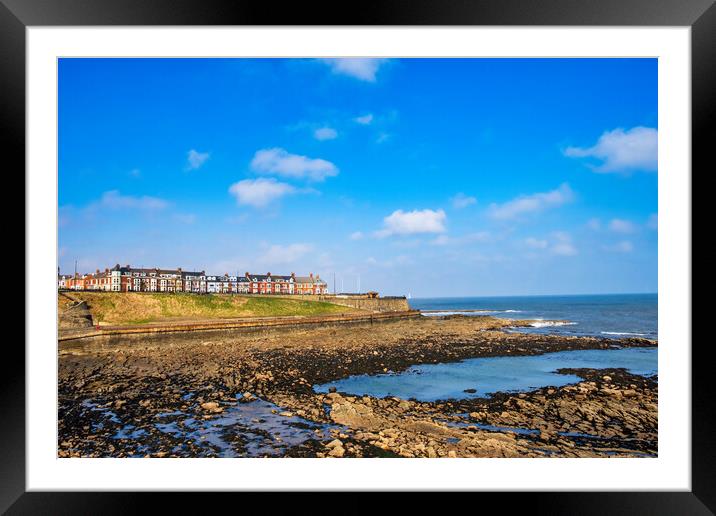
602, 315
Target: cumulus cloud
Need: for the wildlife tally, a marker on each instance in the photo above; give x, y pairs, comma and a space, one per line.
622, 150
284, 254
364, 120
462, 201
196, 159
280, 162
413, 222
558, 243
358, 235
653, 222
259, 192
364, 69
114, 200
531, 204
622, 226
325, 133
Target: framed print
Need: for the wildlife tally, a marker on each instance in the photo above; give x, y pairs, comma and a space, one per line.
419, 248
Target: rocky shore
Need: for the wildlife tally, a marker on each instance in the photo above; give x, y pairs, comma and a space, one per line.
212, 394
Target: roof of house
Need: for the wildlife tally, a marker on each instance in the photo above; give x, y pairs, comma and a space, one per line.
309, 279
265, 277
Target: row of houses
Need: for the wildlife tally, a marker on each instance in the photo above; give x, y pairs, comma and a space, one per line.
129, 279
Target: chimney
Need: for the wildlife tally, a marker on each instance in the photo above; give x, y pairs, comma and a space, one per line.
310, 275
179, 269
97, 271
226, 274
293, 275
268, 274
128, 266
106, 270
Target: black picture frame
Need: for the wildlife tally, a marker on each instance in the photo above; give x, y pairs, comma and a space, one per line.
700, 15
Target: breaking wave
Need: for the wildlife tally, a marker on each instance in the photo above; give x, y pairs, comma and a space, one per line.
543, 324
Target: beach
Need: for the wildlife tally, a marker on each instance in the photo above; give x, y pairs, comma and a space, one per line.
255, 393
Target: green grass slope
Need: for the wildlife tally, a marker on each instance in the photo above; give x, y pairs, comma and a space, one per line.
139, 308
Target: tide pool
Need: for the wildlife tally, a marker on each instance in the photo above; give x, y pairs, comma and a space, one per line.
431, 382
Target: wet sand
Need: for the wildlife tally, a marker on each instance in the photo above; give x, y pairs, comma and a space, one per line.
182, 395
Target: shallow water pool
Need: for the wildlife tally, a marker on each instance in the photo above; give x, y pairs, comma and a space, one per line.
431, 382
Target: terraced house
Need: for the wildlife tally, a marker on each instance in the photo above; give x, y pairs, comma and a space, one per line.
129, 279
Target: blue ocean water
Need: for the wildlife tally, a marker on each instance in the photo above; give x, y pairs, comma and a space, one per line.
608, 315
430, 382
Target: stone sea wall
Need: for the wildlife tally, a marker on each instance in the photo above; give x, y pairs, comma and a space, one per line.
374, 304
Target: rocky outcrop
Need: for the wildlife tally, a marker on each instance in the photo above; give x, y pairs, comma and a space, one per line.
607, 413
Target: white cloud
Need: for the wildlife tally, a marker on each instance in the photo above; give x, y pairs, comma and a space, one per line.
535, 243
364, 69
653, 222
278, 161
564, 249
196, 159
622, 226
530, 204
559, 243
625, 246
364, 120
284, 254
114, 200
412, 222
562, 245
382, 138
358, 235
622, 151
462, 201
259, 192
325, 133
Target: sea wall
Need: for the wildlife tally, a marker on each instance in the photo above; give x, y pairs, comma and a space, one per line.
379, 304
262, 324
362, 302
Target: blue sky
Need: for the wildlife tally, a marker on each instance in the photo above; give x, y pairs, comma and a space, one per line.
434, 177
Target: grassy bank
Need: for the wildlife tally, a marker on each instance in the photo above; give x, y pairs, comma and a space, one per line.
139, 308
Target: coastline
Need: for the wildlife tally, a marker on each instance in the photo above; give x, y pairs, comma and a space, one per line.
137, 380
